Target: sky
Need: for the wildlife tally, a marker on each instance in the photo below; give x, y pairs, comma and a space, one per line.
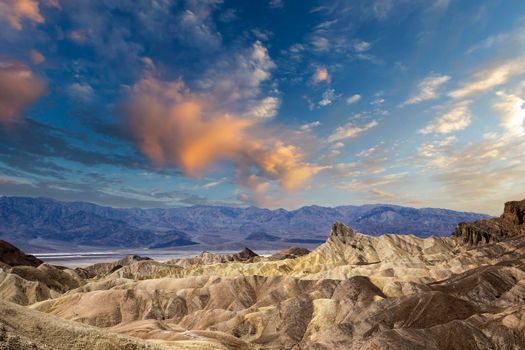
271, 103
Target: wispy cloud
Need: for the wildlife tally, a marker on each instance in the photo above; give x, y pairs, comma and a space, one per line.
457, 117
428, 89
350, 130
511, 110
489, 78
329, 96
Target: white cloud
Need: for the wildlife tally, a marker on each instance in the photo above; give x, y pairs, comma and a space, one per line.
81, 91
428, 89
310, 126
350, 130
362, 46
479, 175
490, 78
512, 113
455, 119
320, 44
216, 183
353, 99
321, 74
328, 97
265, 108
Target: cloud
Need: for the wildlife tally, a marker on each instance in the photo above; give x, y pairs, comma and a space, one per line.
512, 113
428, 89
362, 46
173, 126
264, 109
353, 99
321, 74
240, 78
196, 28
320, 44
480, 174
490, 78
14, 11
215, 183
455, 119
350, 130
382, 8
81, 91
19, 87
276, 3
36, 57
310, 126
329, 96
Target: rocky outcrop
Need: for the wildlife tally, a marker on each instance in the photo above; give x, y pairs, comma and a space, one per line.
289, 253
12, 256
209, 258
104, 269
341, 233
509, 224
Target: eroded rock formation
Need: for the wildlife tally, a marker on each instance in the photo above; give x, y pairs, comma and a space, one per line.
509, 224
353, 292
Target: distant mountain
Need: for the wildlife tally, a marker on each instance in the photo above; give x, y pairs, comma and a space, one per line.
42, 223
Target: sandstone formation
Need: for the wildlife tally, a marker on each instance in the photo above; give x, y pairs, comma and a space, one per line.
355, 291
510, 223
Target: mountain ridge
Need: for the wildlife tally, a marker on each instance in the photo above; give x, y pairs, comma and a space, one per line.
32, 223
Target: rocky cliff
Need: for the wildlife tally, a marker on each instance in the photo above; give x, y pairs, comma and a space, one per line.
509, 224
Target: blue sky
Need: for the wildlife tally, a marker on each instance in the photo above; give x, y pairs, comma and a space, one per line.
268, 103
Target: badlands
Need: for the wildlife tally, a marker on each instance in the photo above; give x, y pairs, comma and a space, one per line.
355, 291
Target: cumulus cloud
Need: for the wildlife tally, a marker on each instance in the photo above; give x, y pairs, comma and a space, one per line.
491, 77
512, 113
175, 127
321, 74
455, 119
19, 87
350, 130
428, 89
353, 99
242, 77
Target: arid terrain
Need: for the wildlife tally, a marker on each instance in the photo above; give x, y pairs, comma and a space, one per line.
355, 291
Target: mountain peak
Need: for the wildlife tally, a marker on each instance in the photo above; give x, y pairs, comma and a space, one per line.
342, 233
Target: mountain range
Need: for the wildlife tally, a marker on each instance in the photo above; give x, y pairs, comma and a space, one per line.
48, 224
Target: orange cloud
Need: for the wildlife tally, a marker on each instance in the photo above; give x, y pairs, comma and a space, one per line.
14, 11
19, 87
36, 56
173, 126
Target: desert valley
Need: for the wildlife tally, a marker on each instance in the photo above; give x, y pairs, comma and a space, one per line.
355, 291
